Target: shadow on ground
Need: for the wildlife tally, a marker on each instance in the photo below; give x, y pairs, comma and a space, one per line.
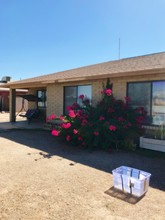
105, 161
123, 196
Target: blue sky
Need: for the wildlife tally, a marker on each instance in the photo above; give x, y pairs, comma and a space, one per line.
39, 37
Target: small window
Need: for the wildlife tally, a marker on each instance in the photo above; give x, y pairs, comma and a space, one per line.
86, 91
140, 95
41, 94
158, 102
150, 95
72, 93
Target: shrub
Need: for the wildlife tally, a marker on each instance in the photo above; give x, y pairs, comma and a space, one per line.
110, 123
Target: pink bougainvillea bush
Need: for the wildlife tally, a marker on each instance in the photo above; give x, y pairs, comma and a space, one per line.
110, 123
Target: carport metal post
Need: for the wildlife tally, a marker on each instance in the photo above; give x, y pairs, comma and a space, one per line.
12, 104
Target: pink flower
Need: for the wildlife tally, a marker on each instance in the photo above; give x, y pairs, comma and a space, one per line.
68, 108
75, 131
68, 137
101, 118
66, 125
55, 133
75, 105
127, 99
81, 97
61, 117
108, 92
110, 110
48, 118
129, 124
51, 117
84, 122
72, 114
96, 133
112, 128
121, 119
79, 112
63, 125
80, 138
140, 119
141, 110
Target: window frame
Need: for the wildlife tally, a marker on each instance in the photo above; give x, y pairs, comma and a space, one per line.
44, 102
151, 96
76, 86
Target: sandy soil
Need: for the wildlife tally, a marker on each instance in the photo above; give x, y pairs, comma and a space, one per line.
42, 179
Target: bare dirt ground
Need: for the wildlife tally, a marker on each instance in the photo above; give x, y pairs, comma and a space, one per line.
41, 178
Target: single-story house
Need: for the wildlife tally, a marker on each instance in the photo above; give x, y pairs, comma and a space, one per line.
142, 78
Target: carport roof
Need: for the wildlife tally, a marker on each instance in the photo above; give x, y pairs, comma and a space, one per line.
140, 65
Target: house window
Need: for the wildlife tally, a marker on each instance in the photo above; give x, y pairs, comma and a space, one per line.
71, 94
41, 95
158, 102
150, 95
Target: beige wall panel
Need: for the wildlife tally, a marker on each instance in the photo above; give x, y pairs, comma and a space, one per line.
55, 92
55, 100
32, 105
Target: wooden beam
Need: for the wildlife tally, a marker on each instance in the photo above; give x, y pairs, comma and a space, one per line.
12, 104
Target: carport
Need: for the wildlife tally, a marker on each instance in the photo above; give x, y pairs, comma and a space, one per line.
33, 99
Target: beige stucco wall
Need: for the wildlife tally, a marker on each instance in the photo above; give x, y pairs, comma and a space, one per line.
55, 91
54, 95
32, 105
